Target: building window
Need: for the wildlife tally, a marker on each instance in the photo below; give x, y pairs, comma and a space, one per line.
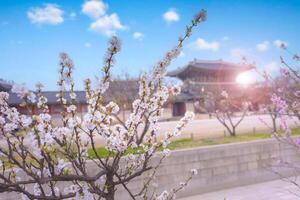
23, 110
179, 109
84, 108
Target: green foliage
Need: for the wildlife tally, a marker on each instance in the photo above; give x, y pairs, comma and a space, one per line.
104, 153
189, 142
295, 131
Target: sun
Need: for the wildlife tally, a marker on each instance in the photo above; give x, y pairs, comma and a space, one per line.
244, 78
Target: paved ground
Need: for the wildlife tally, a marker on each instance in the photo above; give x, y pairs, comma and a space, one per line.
212, 127
205, 128
273, 190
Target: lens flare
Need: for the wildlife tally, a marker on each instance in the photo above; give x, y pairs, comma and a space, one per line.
244, 78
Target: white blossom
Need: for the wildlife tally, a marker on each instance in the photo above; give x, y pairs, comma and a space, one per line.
113, 107
48, 139
36, 189
166, 152
182, 184
71, 189
175, 90
224, 94
42, 101
33, 145
26, 121
102, 87
2, 120
73, 95
163, 196
71, 108
31, 97
72, 123
183, 122
9, 127
22, 92
3, 98
61, 165
84, 195
194, 171
45, 117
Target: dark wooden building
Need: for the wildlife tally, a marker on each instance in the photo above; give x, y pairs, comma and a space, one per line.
122, 92
5, 86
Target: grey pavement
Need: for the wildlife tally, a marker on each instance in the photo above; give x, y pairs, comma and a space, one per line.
212, 127
272, 190
206, 128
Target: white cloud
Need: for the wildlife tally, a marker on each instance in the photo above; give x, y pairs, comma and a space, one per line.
94, 8
138, 35
271, 67
263, 46
201, 44
87, 45
49, 14
102, 22
278, 43
107, 25
171, 16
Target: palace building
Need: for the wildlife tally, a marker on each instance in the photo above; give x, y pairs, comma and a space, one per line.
204, 76
209, 72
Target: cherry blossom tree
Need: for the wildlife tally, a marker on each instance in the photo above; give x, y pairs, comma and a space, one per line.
273, 112
285, 99
285, 93
41, 161
123, 91
225, 108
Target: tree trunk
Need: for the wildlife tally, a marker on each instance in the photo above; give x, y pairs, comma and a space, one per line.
274, 125
232, 133
110, 187
110, 196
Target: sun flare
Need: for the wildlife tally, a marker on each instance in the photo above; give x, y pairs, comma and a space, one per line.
244, 78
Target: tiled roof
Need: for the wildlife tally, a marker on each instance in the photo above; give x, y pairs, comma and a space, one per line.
213, 65
5, 86
119, 90
185, 96
51, 96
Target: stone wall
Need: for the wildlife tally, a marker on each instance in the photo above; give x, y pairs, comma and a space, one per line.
229, 165
219, 167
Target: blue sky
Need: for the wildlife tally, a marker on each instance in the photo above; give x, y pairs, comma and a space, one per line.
33, 33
